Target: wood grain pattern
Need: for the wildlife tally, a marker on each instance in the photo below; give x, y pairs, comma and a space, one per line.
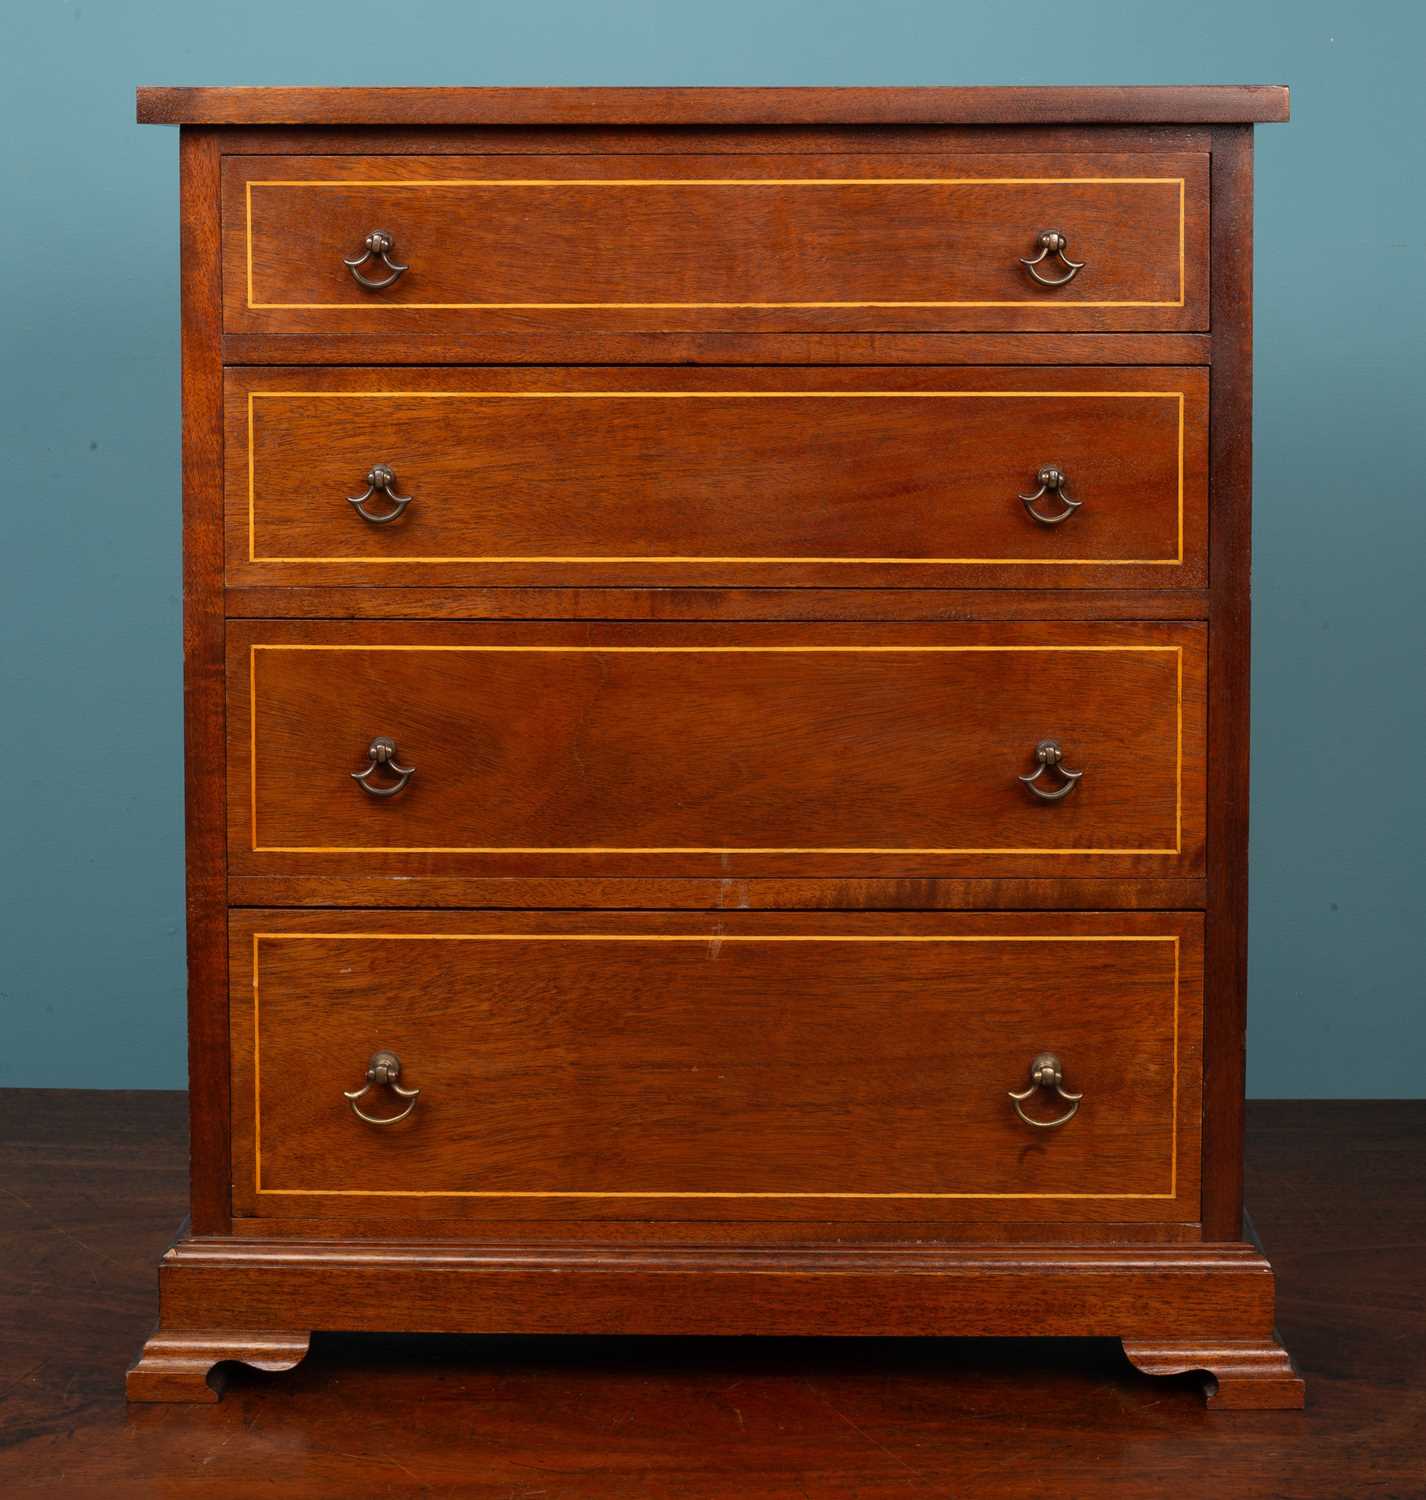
628, 243
664, 1067
1244, 1374
729, 751
1204, 104
203, 678
1223, 1293
192, 1366
611, 477
642, 893
611, 348
1221, 1290
1230, 663
354, 602
371, 1222
745, 140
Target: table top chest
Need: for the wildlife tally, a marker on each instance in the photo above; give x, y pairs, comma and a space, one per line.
716, 642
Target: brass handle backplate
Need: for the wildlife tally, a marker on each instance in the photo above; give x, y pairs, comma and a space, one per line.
382, 752
1048, 755
1052, 481
1052, 242
381, 479
1046, 1073
383, 1071
377, 245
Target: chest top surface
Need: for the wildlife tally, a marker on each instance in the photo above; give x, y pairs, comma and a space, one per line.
1210, 104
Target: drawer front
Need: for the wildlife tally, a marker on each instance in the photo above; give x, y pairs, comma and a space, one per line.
658, 1067
687, 242
856, 477
715, 750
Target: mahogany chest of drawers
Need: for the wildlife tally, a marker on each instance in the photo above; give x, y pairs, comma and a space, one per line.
716, 631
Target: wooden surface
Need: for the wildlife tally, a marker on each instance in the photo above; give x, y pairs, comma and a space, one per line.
1205, 1307
716, 894
735, 476
629, 243
1204, 104
96, 1182
1230, 658
813, 1068
683, 140
204, 687
324, 601
762, 235
393, 348
659, 750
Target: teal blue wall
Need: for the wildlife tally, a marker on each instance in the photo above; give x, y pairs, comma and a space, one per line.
91, 926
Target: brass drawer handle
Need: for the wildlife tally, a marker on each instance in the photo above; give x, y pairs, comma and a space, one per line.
380, 477
382, 752
1048, 754
377, 244
1052, 481
384, 1070
1052, 242
1046, 1073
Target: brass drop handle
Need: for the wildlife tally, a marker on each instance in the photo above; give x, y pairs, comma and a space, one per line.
382, 752
1046, 1073
1052, 481
383, 1071
380, 478
1052, 242
1048, 755
377, 245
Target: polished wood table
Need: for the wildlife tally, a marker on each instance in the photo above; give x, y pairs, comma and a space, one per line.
92, 1182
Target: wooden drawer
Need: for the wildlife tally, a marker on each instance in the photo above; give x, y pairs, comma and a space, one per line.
671, 242
734, 476
671, 1067
730, 750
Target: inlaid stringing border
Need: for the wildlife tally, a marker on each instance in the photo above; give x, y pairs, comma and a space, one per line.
703, 938
258, 848
1175, 561
684, 182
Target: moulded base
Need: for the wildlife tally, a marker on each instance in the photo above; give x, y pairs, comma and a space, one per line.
1176, 1308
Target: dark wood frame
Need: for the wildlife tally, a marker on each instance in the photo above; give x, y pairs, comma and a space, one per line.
229, 1293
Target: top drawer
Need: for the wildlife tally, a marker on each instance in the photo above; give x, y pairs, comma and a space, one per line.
584, 243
